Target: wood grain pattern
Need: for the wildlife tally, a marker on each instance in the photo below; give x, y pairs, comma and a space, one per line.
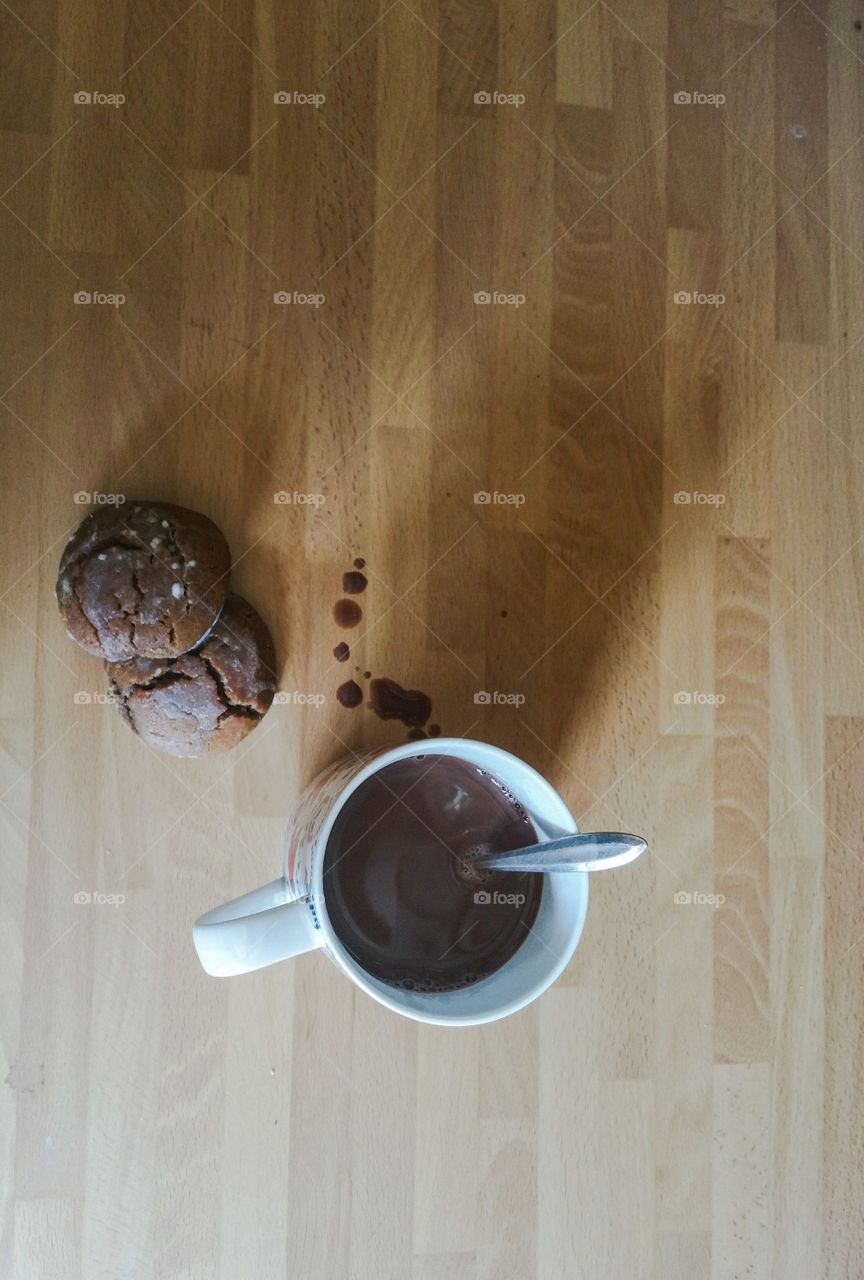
678, 595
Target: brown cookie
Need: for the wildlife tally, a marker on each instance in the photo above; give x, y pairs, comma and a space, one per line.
206, 700
142, 579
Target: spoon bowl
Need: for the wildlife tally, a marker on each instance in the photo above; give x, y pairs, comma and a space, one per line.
587, 851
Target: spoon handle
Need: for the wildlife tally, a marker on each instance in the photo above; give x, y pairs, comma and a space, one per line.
587, 851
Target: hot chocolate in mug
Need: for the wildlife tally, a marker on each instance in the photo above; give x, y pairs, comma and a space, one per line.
290, 915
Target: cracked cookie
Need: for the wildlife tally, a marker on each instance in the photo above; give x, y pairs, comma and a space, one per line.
208, 699
145, 579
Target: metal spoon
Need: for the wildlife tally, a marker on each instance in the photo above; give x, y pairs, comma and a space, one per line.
587, 851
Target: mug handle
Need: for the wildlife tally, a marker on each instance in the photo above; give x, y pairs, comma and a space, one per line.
255, 930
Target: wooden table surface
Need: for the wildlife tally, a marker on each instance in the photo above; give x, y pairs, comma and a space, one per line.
670, 577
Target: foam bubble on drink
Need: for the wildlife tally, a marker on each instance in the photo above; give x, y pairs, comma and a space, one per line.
467, 868
433, 986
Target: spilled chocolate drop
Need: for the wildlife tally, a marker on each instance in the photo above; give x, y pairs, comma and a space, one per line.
415, 735
349, 694
391, 702
359, 563
353, 583
342, 653
434, 730
347, 613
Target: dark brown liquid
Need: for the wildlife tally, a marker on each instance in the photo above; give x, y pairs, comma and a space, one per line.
353, 583
391, 702
347, 613
342, 653
350, 694
398, 883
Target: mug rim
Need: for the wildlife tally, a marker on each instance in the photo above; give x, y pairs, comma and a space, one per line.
365, 980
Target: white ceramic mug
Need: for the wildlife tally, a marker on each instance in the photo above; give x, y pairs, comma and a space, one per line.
289, 915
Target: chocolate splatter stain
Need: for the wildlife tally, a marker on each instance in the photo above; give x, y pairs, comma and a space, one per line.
347, 613
391, 702
388, 699
349, 694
